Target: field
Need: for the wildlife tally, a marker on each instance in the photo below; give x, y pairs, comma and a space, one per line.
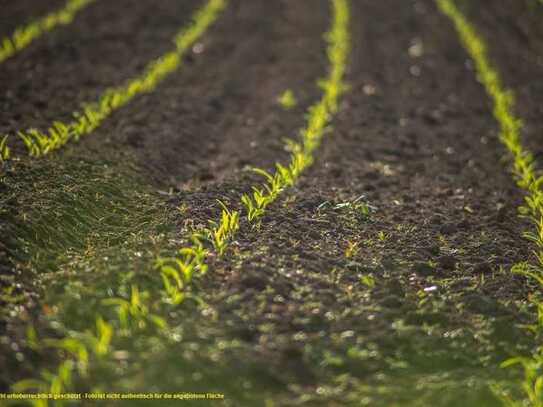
271, 203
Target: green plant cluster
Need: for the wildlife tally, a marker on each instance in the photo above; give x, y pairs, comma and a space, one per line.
23, 36
92, 115
177, 272
527, 178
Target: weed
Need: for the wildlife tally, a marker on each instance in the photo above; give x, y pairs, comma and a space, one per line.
527, 178
223, 230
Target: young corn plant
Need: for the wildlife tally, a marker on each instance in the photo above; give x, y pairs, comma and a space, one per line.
134, 313
527, 178
4, 149
287, 100
78, 350
220, 232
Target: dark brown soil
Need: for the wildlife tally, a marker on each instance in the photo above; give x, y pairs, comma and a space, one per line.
425, 307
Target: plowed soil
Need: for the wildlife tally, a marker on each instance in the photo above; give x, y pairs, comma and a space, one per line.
423, 308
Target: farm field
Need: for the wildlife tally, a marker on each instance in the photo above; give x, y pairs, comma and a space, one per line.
271, 203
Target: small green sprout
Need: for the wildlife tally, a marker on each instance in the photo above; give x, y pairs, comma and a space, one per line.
368, 280
352, 249
287, 99
4, 149
222, 231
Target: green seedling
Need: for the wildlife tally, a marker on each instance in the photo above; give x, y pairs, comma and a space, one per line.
368, 280
220, 232
4, 149
352, 249
358, 206
287, 99
134, 313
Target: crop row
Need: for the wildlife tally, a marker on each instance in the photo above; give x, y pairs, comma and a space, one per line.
93, 114
526, 177
25, 35
144, 309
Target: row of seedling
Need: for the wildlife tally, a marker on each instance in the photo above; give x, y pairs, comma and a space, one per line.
25, 35
93, 114
527, 178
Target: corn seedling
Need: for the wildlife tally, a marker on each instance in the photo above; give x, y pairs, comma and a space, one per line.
177, 272
352, 249
134, 313
4, 149
220, 232
368, 280
527, 178
76, 351
93, 114
318, 118
25, 35
287, 100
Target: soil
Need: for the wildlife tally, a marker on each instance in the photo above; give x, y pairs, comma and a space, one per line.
421, 312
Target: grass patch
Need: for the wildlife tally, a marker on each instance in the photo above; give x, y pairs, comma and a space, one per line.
526, 177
